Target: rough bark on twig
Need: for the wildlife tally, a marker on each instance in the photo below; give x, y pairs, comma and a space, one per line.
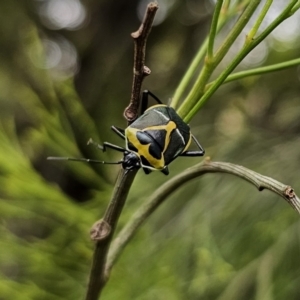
140, 71
103, 230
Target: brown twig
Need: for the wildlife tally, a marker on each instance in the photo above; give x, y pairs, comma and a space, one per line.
140, 71
207, 166
103, 230
102, 233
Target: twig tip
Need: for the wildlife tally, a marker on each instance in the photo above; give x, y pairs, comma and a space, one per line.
153, 5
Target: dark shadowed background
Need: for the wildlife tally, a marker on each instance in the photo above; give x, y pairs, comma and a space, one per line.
65, 76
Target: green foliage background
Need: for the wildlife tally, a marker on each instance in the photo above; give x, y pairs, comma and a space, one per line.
217, 238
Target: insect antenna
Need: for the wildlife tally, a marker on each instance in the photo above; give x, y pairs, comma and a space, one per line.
91, 161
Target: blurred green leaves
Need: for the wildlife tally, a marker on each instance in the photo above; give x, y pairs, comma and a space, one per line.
42, 230
216, 238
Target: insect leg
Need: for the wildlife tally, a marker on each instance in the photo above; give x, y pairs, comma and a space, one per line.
145, 98
147, 171
199, 152
103, 147
106, 145
91, 161
119, 131
165, 170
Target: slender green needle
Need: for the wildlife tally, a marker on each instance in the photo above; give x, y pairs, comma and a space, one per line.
259, 71
258, 22
213, 30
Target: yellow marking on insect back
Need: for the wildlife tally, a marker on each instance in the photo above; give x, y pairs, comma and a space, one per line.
143, 150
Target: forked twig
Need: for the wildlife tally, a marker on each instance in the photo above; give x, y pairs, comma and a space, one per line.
103, 230
102, 233
140, 71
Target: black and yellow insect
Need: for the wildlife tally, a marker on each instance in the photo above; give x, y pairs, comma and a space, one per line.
153, 140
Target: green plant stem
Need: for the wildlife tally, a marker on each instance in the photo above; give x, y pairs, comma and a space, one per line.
285, 14
213, 30
207, 166
295, 8
216, 85
236, 30
187, 78
259, 71
189, 75
258, 22
196, 93
238, 58
197, 90
226, 5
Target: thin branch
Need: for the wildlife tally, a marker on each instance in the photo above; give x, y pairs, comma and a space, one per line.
295, 8
259, 71
213, 30
285, 14
225, 15
103, 230
139, 69
198, 88
189, 74
207, 166
236, 30
102, 233
234, 63
259, 20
